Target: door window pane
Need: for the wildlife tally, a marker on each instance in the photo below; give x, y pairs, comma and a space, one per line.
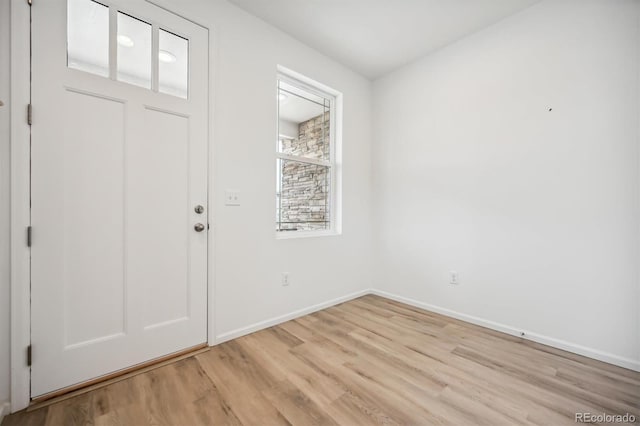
134, 51
173, 58
88, 37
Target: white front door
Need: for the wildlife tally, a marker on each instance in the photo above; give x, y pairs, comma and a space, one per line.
119, 168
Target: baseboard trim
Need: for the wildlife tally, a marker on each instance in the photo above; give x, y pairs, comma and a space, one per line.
239, 332
535, 337
5, 410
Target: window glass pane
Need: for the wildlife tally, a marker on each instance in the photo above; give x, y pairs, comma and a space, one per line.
173, 60
303, 123
134, 51
88, 36
302, 197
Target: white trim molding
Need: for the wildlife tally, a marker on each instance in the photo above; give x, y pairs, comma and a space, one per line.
239, 332
20, 216
507, 329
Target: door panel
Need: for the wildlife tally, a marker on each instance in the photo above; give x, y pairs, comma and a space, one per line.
167, 271
119, 275
93, 189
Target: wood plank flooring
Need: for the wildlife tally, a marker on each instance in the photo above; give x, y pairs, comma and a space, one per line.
367, 361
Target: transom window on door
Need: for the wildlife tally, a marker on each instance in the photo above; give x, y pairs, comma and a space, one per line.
111, 43
306, 159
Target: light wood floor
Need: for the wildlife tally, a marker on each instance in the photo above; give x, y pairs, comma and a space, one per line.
367, 361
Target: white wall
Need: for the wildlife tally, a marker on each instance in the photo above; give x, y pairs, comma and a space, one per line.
248, 260
4, 202
537, 210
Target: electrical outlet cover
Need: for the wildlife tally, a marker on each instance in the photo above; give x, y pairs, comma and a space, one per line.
231, 197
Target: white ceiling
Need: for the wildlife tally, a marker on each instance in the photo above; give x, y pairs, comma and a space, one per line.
374, 37
299, 110
298, 105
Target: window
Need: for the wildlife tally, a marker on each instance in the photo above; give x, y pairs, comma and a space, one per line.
305, 165
88, 37
174, 64
134, 51
90, 45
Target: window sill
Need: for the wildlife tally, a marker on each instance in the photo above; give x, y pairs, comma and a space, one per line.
305, 234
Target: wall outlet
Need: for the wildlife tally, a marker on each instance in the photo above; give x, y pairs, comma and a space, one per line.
453, 278
231, 197
285, 279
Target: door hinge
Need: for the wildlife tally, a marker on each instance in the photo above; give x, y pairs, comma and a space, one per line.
29, 356
28, 236
29, 114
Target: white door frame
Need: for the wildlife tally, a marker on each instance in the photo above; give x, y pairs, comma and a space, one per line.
20, 211
20, 97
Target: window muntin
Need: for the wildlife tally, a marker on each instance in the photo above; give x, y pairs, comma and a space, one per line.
305, 159
91, 45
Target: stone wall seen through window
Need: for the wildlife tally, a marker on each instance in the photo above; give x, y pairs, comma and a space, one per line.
304, 201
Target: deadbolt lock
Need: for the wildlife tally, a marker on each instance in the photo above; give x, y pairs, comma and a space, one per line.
199, 209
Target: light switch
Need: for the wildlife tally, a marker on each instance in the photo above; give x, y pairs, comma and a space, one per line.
231, 198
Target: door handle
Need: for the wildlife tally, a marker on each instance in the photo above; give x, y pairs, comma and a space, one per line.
198, 227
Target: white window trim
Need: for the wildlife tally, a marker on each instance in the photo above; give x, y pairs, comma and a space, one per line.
335, 151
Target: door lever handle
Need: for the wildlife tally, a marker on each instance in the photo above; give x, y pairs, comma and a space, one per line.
198, 227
